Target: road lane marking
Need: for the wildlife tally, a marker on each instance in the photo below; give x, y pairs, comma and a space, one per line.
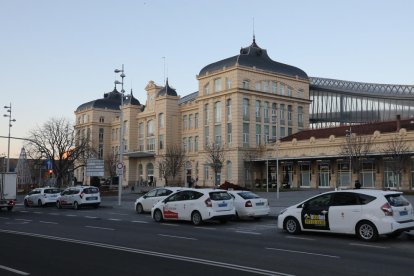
48, 222
248, 232
24, 211
177, 237
38, 213
114, 219
3, 218
69, 215
299, 238
169, 224
54, 214
139, 221
28, 220
101, 228
91, 217
13, 270
121, 214
303, 252
179, 258
367, 245
206, 228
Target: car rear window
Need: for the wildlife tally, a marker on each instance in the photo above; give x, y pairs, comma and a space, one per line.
248, 195
91, 191
397, 200
219, 196
52, 191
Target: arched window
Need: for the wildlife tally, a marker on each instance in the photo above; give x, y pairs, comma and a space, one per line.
161, 120
101, 119
150, 128
229, 170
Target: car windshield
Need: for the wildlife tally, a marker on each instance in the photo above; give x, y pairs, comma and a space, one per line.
397, 200
248, 195
52, 191
219, 196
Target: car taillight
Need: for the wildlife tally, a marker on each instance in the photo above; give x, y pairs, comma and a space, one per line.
248, 204
81, 195
208, 202
386, 208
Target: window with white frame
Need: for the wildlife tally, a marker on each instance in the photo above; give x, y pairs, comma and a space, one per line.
217, 85
258, 134
274, 87
190, 121
289, 91
207, 89
246, 115
196, 120
217, 112
282, 89
161, 120
229, 134
196, 144
228, 109
150, 128
217, 134
150, 144
206, 114
258, 111
228, 83
246, 133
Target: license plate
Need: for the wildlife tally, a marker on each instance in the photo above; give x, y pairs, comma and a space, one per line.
403, 213
260, 204
222, 204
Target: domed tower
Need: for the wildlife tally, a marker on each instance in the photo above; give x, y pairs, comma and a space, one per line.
248, 101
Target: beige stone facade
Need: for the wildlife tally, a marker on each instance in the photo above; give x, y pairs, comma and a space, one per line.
244, 103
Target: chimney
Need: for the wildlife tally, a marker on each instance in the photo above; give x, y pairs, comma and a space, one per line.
398, 122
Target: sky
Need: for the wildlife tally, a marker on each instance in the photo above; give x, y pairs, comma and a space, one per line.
56, 55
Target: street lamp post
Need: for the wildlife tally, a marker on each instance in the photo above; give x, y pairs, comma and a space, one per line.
275, 119
349, 136
121, 151
9, 115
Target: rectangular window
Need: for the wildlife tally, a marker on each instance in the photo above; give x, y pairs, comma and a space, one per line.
190, 121
185, 122
196, 120
190, 144
161, 142
217, 112
274, 87
282, 114
185, 145
258, 134
289, 92
258, 111
206, 114
151, 144
229, 138
246, 115
282, 89
289, 115
265, 86
206, 135
101, 135
217, 134
246, 84
266, 134
228, 83
282, 132
246, 134
300, 116
217, 85
258, 88
196, 144
228, 110
266, 112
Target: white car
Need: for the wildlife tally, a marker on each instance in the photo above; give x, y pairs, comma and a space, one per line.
364, 212
195, 205
249, 205
79, 196
145, 202
41, 196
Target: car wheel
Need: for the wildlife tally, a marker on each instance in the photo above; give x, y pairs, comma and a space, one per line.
292, 226
39, 203
76, 205
158, 215
196, 218
139, 209
26, 203
58, 205
366, 231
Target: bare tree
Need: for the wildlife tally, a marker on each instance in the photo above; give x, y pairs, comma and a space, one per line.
249, 156
110, 164
357, 147
171, 163
397, 151
215, 159
56, 142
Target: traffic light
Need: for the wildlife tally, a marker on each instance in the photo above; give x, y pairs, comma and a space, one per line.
50, 173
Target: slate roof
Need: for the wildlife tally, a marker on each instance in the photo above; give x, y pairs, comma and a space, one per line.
166, 90
254, 56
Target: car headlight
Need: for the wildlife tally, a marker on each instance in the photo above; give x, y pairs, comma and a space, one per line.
281, 212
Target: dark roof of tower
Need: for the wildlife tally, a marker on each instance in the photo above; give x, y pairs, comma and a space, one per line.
110, 100
166, 90
254, 56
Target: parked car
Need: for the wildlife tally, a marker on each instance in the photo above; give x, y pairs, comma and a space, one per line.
145, 202
41, 196
195, 205
366, 213
249, 204
79, 196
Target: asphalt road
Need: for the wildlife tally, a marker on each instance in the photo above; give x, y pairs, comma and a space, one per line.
117, 241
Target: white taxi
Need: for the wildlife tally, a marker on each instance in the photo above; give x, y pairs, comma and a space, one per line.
366, 213
249, 204
145, 202
41, 196
195, 205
